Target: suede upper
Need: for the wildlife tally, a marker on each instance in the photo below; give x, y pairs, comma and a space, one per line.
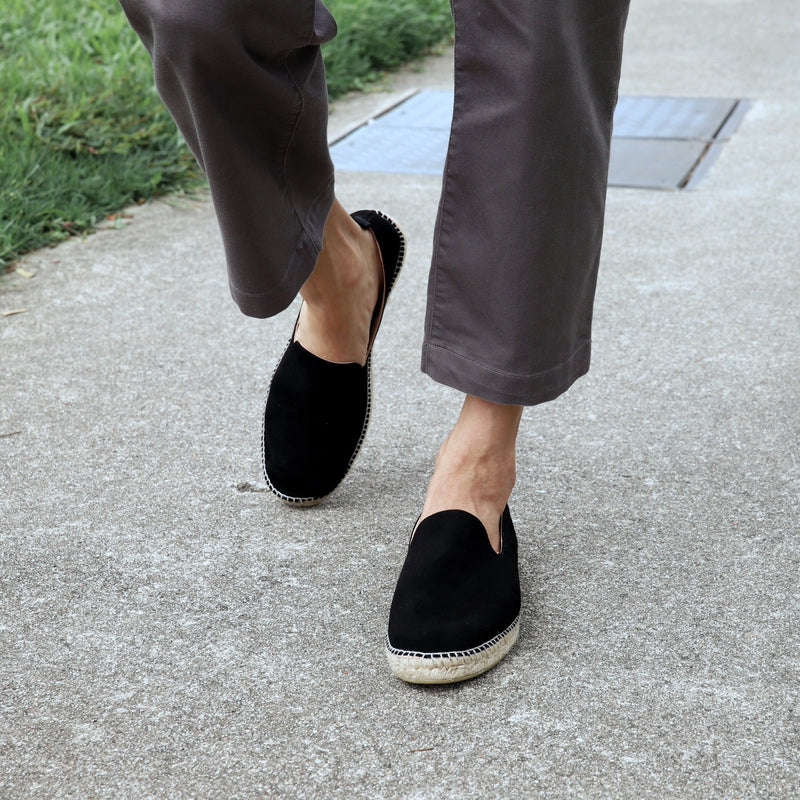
314, 419
455, 593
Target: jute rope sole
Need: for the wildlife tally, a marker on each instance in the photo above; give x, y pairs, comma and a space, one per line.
451, 667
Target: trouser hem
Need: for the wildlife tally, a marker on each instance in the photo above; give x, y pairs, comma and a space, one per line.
301, 264
267, 304
462, 373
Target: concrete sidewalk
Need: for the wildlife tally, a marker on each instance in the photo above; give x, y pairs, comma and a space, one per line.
168, 629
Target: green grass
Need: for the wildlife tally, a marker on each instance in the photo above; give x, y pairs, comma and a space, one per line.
379, 35
83, 132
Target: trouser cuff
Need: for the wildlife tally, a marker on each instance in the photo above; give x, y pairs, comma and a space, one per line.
455, 370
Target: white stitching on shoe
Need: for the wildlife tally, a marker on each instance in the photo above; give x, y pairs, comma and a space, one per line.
455, 653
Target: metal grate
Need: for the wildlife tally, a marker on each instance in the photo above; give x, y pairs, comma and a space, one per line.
658, 143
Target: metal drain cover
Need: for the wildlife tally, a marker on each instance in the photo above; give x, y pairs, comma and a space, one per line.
658, 143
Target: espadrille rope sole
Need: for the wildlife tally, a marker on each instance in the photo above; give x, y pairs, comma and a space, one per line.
432, 668
390, 281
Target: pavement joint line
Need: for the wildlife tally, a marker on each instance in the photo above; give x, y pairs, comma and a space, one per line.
384, 108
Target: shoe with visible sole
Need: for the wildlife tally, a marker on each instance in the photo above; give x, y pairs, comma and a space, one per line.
456, 608
317, 411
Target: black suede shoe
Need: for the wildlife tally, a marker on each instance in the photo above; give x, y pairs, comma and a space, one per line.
317, 411
456, 608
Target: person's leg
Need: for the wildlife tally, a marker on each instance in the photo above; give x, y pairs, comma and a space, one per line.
520, 225
521, 215
509, 303
245, 82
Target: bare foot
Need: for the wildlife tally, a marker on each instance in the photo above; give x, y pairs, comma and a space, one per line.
341, 293
476, 466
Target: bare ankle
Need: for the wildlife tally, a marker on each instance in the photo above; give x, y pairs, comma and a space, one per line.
341, 265
476, 465
342, 291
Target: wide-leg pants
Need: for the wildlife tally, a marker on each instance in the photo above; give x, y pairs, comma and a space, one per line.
520, 221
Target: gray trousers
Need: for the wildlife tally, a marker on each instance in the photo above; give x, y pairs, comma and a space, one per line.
520, 221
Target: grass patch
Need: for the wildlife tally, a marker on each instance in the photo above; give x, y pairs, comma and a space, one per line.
376, 36
83, 132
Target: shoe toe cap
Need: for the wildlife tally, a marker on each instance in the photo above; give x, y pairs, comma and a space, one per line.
454, 593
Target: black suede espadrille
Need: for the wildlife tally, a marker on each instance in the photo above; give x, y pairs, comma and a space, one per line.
317, 411
456, 608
